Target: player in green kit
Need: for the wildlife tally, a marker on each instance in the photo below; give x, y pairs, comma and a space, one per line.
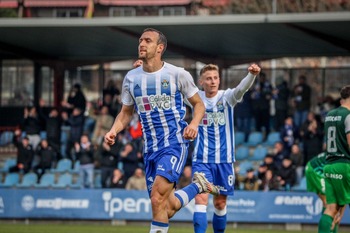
337, 167
315, 179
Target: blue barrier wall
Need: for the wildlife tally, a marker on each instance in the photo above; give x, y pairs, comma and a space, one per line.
105, 204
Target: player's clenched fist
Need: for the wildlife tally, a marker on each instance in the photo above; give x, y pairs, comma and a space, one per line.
110, 138
190, 132
254, 69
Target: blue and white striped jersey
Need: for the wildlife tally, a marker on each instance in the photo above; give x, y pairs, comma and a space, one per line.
159, 100
215, 140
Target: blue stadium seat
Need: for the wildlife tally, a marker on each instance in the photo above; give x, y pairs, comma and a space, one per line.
6, 138
259, 153
63, 165
242, 153
11, 180
46, 181
43, 135
301, 186
64, 181
243, 166
239, 138
8, 163
76, 167
272, 138
254, 139
97, 180
28, 180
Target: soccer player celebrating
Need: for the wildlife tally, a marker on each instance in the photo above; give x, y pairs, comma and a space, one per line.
157, 91
337, 168
214, 146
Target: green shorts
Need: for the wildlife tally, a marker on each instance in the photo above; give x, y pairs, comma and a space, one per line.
337, 177
314, 181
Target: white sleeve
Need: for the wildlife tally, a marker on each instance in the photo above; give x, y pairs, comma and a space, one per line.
126, 95
233, 96
186, 84
347, 124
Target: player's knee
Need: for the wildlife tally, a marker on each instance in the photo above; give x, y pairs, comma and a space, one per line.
220, 204
158, 200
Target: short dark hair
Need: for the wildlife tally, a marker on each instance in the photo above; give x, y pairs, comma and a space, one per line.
161, 40
345, 92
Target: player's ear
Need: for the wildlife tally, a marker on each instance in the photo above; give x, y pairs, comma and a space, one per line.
160, 48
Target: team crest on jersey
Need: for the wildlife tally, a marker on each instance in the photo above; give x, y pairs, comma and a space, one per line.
165, 83
220, 105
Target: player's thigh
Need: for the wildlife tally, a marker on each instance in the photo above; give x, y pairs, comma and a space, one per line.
337, 177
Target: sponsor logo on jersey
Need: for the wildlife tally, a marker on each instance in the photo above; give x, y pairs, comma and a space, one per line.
152, 102
213, 118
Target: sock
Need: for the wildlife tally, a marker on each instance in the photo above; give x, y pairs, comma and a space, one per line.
186, 194
200, 222
335, 229
325, 223
219, 220
159, 227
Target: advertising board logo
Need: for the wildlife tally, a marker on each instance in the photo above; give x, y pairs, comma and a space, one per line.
2, 206
312, 206
114, 205
28, 203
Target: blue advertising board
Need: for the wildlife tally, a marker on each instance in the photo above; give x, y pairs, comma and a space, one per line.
105, 204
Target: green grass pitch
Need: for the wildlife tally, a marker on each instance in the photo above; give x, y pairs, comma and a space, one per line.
103, 228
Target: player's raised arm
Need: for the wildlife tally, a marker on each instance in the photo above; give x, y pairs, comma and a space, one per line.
246, 82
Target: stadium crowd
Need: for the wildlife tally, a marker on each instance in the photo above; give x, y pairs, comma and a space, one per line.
76, 131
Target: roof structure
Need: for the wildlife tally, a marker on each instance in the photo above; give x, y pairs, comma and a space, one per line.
226, 39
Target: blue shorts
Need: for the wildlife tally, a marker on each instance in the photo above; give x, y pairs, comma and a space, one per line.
168, 162
221, 175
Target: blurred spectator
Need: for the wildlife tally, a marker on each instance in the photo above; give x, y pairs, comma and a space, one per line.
261, 95
117, 180
323, 107
53, 123
311, 133
137, 181
91, 114
84, 152
238, 178
289, 134
47, 158
269, 182
32, 126
269, 163
301, 101
75, 99
279, 153
250, 182
76, 124
104, 121
25, 153
129, 159
298, 160
111, 89
185, 178
286, 175
108, 162
113, 103
281, 96
135, 131
244, 114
